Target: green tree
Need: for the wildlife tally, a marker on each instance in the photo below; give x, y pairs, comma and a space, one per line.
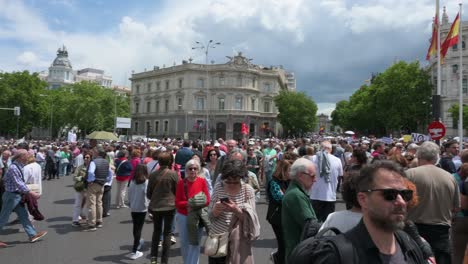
453, 110
87, 106
297, 112
21, 89
398, 97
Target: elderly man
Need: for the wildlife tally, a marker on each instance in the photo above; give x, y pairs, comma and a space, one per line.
439, 198
14, 189
296, 208
99, 173
323, 193
383, 196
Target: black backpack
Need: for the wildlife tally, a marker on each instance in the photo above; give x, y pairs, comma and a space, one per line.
306, 250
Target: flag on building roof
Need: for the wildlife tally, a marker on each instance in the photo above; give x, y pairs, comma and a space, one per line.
452, 37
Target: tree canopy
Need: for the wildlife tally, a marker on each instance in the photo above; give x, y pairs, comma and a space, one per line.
85, 105
297, 112
20, 89
400, 97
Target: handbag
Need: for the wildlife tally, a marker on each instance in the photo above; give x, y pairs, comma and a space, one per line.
216, 245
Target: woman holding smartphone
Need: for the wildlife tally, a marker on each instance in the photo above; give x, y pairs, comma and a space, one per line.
233, 201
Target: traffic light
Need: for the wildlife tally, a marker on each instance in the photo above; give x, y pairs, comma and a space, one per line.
17, 110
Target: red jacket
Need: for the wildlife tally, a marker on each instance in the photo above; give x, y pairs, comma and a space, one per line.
199, 185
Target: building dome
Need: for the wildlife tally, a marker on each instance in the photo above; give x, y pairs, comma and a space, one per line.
62, 58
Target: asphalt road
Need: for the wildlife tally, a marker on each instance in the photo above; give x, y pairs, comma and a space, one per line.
111, 244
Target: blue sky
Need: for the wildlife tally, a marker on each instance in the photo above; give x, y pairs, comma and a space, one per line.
331, 45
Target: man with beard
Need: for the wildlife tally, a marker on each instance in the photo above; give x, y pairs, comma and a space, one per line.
439, 200
378, 238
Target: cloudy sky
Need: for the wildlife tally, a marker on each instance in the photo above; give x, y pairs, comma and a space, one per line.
333, 46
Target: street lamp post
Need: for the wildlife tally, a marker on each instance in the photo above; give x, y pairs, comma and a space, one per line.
206, 47
51, 114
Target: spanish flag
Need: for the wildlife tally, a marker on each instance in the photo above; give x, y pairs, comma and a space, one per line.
452, 37
432, 51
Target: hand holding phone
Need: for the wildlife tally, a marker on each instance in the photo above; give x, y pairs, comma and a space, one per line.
225, 200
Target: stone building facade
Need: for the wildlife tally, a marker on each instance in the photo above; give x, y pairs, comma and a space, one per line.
450, 86
207, 101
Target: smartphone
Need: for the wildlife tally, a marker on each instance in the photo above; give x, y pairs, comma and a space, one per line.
225, 200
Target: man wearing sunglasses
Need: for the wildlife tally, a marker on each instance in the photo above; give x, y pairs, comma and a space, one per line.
439, 199
378, 238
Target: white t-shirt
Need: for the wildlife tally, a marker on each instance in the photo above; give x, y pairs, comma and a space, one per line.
343, 220
326, 191
33, 176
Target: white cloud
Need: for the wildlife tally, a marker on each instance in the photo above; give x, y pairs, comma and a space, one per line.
307, 36
325, 108
27, 58
381, 14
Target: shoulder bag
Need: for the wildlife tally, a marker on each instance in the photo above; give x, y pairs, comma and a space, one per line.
216, 245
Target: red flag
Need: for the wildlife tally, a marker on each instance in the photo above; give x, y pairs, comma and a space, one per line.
452, 37
432, 51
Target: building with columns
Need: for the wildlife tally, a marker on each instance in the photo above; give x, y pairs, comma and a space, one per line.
450, 86
61, 73
207, 101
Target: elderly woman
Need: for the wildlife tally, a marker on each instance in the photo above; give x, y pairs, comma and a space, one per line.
79, 207
232, 210
193, 184
161, 192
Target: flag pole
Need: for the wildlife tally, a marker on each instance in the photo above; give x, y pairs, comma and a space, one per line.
436, 98
439, 81
460, 108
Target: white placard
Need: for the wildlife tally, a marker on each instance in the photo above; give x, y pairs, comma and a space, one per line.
123, 122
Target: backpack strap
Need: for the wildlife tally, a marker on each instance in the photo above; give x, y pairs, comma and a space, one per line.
344, 248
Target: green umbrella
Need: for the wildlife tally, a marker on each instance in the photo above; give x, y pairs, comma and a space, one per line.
102, 135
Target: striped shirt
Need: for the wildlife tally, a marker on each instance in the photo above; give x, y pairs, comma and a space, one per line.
221, 223
14, 179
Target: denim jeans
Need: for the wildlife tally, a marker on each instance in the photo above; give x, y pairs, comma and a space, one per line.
11, 202
63, 169
190, 253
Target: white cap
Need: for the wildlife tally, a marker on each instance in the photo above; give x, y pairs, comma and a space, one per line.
217, 144
365, 142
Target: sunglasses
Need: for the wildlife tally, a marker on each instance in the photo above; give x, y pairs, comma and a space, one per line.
392, 194
192, 169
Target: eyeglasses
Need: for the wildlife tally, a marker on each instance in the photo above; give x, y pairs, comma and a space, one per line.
87, 157
308, 174
392, 194
213, 154
192, 169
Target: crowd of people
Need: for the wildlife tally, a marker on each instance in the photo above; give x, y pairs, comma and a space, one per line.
195, 188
